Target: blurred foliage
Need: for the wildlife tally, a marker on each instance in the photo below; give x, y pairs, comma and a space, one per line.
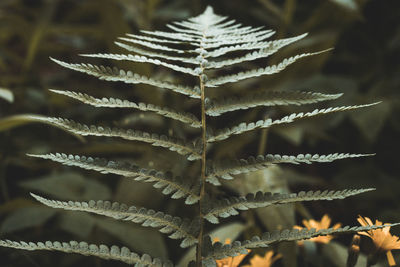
364, 66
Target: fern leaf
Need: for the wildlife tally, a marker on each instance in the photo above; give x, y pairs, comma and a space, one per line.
245, 127
207, 18
219, 251
144, 52
220, 32
136, 58
114, 74
212, 24
172, 35
231, 40
158, 40
10, 122
176, 186
229, 32
217, 37
152, 45
235, 48
185, 24
102, 251
230, 28
259, 72
207, 24
176, 227
179, 146
267, 49
200, 26
118, 103
216, 108
194, 32
235, 30
231, 206
227, 168
220, 29
230, 24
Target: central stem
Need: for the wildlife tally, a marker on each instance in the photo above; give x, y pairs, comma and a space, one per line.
203, 161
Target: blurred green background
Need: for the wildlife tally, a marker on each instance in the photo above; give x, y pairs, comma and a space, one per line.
364, 65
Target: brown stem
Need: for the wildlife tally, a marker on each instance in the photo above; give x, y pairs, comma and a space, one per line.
203, 167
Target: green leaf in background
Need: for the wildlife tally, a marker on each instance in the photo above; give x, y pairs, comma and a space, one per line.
140, 194
337, 253
6, 95
350, 5
370, 122
14, 204
78, 223
68, 185
26, 218
135, 237
11, 122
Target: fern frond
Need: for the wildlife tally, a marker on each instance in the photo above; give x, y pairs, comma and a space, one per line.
102, 251
210, 24
152, 45
226, 38
185, 24
265, 49
273, 98
158, 40
200, 26
245, 127
218, 250
175, 227
235, 30
114, 74
144, 52
118, 103
227, 168
192, 23
189, 36
219, 41
195, 32
230, 24
193, 46
230, 206
259, 72
179, 146
136, 58
207, 24
224, 31
175, 185
207, 18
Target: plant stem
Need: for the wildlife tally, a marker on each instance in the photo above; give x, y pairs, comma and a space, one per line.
203, 165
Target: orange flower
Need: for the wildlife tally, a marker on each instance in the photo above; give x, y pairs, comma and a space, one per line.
230, 261
323, 224
265, 261
383, 240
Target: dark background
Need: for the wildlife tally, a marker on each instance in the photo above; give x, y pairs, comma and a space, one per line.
364, 65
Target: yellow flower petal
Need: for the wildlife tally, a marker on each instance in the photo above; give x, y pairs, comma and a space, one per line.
390, 258
383, 240
265, 261
230, 261
319, 225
